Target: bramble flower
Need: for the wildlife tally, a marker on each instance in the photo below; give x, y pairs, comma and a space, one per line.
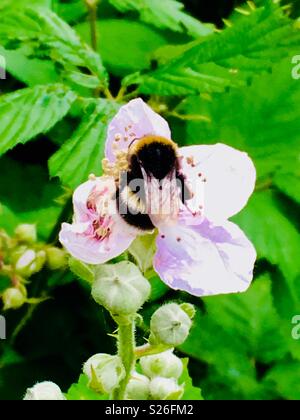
98, 233
198, 249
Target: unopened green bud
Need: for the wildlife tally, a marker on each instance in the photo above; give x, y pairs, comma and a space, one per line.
138, 387
44, 391
14, 298
165, 389
120, 288
169, 325
189, 309
26, 233
164, 364
104, 372
56, 258
29, 261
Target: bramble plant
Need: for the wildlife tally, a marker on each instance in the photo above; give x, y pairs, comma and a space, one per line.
154, 129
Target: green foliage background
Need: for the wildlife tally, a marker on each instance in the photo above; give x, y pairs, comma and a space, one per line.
226, 77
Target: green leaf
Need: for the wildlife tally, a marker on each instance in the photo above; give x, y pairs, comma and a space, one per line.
287, 180
141, 41
262, 119
81, 392
231, 336
167, 14
32, 72
227, 59
81, 155
5, 282
158, 287
274, 236
191, 392
284, 377
27, 196
21, 3
32, 111
70, 12
46, 35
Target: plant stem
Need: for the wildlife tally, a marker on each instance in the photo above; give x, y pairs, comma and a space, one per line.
126, 351
92, 6
23, 323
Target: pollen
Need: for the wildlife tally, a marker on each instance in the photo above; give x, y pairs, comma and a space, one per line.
92, 177
190, 161
118, 137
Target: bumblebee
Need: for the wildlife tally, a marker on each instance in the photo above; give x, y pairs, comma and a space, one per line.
151, 158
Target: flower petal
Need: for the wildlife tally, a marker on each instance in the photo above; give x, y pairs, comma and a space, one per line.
227, 174
94, 201
89, 249
205, 259
133, 121
80, 198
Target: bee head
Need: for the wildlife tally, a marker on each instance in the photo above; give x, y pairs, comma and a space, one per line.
157, 155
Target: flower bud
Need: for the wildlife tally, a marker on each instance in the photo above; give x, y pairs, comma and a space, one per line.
120, 288
164, 364
13, 298
165, 389
56, 258
28, 261
44, 391
169, 325
104, 372
138, 387
189, 309
26, 233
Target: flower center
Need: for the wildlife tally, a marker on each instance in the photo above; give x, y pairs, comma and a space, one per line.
98, 204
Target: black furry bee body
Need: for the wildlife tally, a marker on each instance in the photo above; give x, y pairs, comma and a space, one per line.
157, 157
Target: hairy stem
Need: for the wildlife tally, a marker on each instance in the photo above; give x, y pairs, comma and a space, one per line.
126, 351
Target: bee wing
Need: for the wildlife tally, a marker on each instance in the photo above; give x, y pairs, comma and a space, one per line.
162, 198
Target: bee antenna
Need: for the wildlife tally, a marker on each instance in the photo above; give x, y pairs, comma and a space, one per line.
131, 143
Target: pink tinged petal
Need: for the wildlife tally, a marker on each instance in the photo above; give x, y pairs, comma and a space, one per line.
80, 197
98, 233
205, 259
133, 121
228, 177
89, 249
